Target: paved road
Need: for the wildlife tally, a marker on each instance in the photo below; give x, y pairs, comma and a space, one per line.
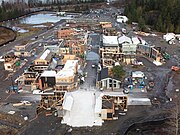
90, 80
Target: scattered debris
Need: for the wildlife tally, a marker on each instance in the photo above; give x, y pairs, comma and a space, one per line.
25, 118
26, 103
11, 112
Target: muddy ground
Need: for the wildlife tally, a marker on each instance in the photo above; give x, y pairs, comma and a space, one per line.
6, 35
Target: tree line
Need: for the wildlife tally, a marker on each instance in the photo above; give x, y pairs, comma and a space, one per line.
161, 15
12, 10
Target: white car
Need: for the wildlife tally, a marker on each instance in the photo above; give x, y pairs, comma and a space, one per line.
93, 66
140, 63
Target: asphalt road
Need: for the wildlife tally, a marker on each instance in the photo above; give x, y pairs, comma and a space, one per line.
90, 80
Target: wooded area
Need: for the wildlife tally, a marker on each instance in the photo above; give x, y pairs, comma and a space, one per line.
161, 15
12, 10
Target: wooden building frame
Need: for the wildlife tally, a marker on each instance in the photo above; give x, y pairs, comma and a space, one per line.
112, 105
51, 100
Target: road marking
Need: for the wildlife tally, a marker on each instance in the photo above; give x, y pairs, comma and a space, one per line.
7, 97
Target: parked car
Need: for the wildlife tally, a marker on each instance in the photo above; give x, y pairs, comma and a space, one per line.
126, 91
93, 66
138, 63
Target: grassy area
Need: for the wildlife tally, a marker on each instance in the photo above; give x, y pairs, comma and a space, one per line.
31, 32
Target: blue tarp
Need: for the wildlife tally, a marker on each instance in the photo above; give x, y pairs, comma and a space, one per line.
15, 88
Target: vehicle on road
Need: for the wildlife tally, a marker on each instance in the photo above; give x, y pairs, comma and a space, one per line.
126, 91
93, 66
137, 63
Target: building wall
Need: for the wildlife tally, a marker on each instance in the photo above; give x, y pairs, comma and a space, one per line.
65, 83
29, 78
65, 79
144, 49
106, 24
20, 53
52, 48
21, 47
64, 50
155, 54
10, 63
65, 34
109, 49
78, 50
66, 87
40, 68
41, 62
129, 48
48, 82
128, 59
68, 57
55, 48
107, 84
9, 66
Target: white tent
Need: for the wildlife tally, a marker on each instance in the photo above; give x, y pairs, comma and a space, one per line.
68, 102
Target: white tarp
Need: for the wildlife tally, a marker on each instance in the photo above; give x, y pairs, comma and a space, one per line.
68, 102
98, 105
121, 19
169, 36
124, 39
45, 54
82, 111
135, 40
157, 63
48, 73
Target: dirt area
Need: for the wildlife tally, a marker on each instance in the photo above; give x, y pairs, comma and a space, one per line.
6, 130
141, 128
6, 35
10, 124
176, 80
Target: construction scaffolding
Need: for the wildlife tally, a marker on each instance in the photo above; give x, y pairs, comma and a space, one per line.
112, 105
51, 101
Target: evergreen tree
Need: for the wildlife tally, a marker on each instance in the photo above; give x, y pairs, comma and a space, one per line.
162, 15
141, 23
